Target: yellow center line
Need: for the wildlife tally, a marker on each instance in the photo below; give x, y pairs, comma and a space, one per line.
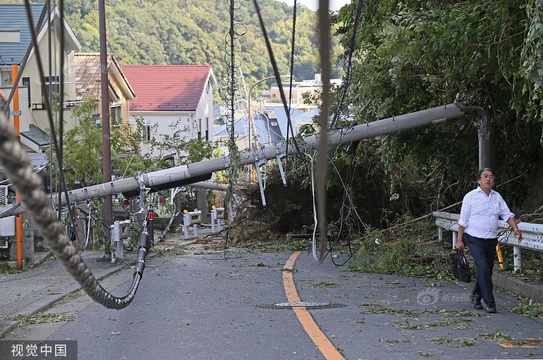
322, 342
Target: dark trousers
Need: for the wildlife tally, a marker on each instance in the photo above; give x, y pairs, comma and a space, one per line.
483, 252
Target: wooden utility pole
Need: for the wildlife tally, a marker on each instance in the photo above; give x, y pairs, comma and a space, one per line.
106, 135
484, 132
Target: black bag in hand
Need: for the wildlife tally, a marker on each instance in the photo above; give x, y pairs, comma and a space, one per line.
458, 264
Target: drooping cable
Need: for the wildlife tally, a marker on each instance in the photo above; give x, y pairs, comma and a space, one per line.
290, 130
276, 72
349, 205
47, 100
348, 67
314, 244
17, 167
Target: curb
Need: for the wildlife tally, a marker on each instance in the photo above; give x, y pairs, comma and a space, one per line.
515, 286
8, 325
47, 303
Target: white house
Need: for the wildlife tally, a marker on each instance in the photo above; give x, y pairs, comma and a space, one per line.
171, 98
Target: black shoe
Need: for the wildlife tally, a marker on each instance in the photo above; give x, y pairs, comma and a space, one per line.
491, 309
476, 301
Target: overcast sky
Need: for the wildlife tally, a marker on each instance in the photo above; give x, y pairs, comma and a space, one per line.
313, 4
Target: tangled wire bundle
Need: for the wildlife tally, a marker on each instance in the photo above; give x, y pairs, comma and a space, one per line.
29, 185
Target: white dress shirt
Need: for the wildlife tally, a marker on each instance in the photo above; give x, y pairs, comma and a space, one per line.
479, 213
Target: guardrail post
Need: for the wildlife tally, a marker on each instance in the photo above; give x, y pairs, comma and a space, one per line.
216, 215
118, 232
186, 223
517, 258
116, 241
191, 218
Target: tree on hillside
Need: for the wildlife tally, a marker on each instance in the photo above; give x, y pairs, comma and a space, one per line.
189, 32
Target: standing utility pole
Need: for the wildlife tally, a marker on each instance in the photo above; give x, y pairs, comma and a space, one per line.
106, 145
16, 124
484, 132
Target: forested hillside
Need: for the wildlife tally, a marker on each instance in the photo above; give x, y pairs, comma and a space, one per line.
197, 32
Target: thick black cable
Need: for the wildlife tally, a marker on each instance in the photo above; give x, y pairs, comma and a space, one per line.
30, 187
292, 48
275, 71
18, 169
47, 100
348, 68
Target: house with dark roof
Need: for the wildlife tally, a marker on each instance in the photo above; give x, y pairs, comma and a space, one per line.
170, 99
87, 75
19, 56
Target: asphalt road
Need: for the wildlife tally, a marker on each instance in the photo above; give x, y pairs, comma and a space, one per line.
232, 305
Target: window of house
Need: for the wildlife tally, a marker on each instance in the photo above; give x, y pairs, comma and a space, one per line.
115, 115
200, 129
52, 89
10, 36
97, 121
146, 133
26, 82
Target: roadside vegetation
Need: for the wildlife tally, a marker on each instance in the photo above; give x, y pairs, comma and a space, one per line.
399, 57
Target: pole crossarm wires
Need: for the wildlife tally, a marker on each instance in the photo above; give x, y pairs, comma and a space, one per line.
200, 171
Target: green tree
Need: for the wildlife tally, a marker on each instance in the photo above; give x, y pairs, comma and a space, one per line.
182, 151
414, 55
83, 157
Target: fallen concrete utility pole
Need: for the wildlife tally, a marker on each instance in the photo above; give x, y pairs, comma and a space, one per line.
200, 171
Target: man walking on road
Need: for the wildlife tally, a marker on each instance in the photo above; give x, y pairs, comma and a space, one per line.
478, 224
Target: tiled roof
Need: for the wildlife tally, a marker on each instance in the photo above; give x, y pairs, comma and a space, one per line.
87, 75
13, 18
167, 87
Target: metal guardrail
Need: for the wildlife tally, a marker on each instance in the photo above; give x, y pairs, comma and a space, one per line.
532, 234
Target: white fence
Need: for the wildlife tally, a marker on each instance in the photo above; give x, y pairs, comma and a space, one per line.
532, 234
